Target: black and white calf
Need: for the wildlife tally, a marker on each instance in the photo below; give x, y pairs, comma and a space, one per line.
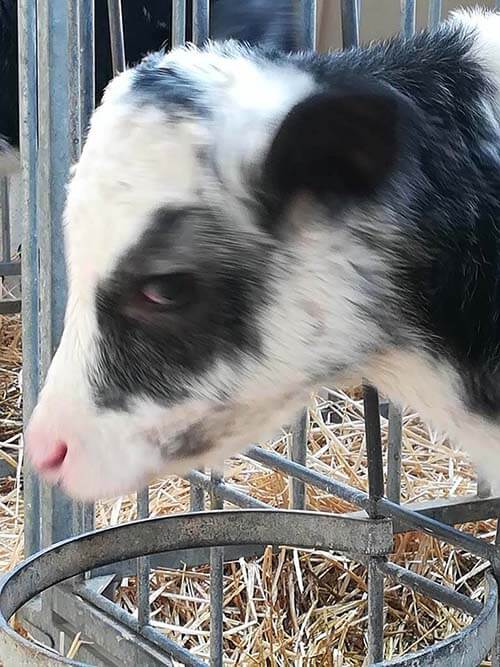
244, 226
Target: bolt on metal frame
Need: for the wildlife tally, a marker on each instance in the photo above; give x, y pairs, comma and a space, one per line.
53, 63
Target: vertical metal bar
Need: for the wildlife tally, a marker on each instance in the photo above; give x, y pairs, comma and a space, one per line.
375, 613
495, 653
298, 454
201, 21
81, 104
178, 22
350, 23
57, 137
408, 17
216, 591
375, 491
394, 454
308, 21
483, 487
196, 498
373, 445
143, 564
28, 142
116, 35
435, 11
86, 42
5, 213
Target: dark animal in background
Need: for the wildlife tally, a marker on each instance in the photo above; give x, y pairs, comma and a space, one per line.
147, 28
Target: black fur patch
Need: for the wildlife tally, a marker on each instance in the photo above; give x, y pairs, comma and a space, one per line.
157, 356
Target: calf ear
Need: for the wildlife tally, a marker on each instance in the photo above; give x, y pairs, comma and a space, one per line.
342, 143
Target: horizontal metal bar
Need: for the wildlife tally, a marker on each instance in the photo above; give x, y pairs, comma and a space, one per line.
10, 268
429, 588
277, 462
70, 557
449, 510
436, 529
223, 491
384, 506
159, 640
110, 642
10, 307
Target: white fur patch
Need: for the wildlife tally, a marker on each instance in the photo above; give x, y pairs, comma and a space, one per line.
434, 390
486, 26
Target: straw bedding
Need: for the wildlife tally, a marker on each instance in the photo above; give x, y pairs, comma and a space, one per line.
288, 607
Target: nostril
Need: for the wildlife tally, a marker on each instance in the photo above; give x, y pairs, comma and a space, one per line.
55, 458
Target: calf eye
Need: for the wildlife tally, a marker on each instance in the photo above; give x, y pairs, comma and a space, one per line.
168, 292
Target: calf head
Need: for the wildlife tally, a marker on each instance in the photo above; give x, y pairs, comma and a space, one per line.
214, 279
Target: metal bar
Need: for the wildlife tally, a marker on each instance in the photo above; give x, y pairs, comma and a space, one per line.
449, 510
394, 454
56, 138
81, 104
86, 63
143, 565
116, 36
430, 588
156, 638
336, 488
178, 22
350, 23
495, 654
10, 307
375, 612
5, 213
201, 21
483, 487
223, 491
437, 529
196, 492
298, 454
9, 268
307, 530
408, 17
373, 447
308, 19
375, 491
28, 143
216, 590
435, 12
384, 506
468, 647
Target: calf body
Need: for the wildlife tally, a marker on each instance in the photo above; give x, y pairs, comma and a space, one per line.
245, 226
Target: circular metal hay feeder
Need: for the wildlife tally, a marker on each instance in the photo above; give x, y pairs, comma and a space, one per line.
312, 530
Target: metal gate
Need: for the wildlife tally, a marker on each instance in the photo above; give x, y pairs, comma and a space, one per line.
57, 56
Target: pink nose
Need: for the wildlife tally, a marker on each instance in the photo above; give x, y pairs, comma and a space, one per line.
54, 457
47, 457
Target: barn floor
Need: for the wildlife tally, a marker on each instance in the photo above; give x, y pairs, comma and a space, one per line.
290, 608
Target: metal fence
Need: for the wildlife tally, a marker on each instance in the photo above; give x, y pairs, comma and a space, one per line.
57, 56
